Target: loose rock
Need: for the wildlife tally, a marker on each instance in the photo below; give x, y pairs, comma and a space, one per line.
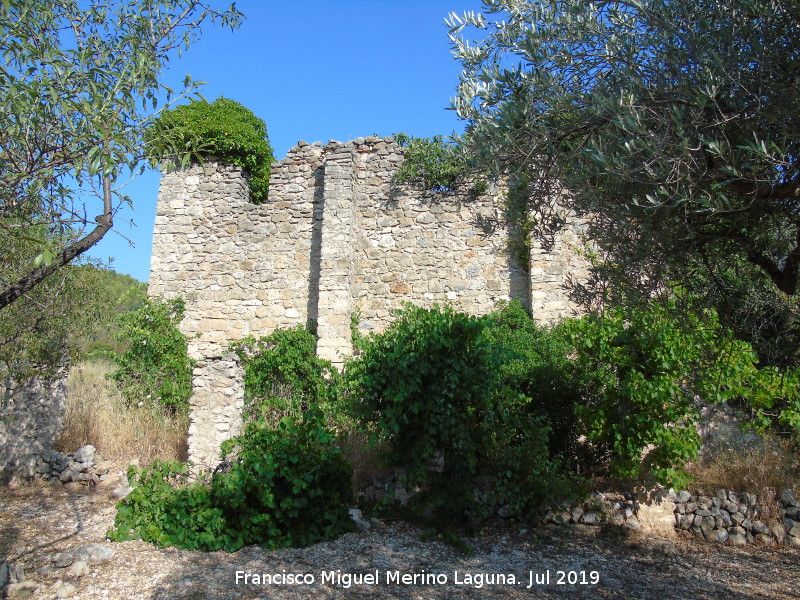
63, 559
94, 553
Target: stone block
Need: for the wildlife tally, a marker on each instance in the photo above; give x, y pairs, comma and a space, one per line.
400, 288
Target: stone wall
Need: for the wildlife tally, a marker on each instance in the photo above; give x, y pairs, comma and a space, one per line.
216, 404
31, 418
336, 238
738, 518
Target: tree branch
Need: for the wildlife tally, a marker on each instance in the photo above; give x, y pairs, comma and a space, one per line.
785, 279
29, 281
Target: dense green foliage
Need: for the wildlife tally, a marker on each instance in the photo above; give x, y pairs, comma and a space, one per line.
223, 129
527, 476
642, 372
748, 304
125, 294
168, 509
80, 82
439, 166
536, 364
430, 388
682, 155
426, 386
477, 415
773, 401
501, 395
54, 322
155, 368
435, 163
283, 482
287, 486
39, 333
531, 428
283, 374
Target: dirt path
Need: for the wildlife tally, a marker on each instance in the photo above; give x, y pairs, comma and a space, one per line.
36, 524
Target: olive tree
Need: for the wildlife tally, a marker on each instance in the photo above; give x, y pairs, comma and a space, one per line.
673, 122
79, 82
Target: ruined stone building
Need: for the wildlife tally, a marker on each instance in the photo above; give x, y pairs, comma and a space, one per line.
336, 238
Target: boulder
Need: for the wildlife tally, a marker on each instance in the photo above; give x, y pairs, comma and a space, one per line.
79, 568
22, 590
591, 518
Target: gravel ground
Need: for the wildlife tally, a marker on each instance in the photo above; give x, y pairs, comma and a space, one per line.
389, 561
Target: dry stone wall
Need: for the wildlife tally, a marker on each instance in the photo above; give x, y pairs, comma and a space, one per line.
31, 418
336, 238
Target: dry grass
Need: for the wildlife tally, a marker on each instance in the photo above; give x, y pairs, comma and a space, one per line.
97, 414
763, 470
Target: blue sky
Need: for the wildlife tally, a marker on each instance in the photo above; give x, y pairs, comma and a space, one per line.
314, 70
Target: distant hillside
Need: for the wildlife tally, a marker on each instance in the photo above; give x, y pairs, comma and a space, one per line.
123, 293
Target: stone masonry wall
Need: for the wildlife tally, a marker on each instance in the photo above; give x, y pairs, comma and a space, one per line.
415, 246
31, 418
337, 237
216, 404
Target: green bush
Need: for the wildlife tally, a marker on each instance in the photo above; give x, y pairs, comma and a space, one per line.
536, 364
283, 374
438, 165
643, 371
287, 486
167, 509
156, 368
773, 401
192, 133
425, 386
440, 384
527, 477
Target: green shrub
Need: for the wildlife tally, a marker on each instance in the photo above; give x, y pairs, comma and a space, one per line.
287, 486
156, 368
441, 384
425, 386
537, 365
167, 509
430, 160
194, 132
283, 374
438, 165
774, 401
643, 371
527, 477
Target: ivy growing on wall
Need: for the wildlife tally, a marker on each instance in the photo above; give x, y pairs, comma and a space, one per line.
192, 133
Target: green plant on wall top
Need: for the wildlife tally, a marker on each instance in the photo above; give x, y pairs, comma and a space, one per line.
192, 133
438, 165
